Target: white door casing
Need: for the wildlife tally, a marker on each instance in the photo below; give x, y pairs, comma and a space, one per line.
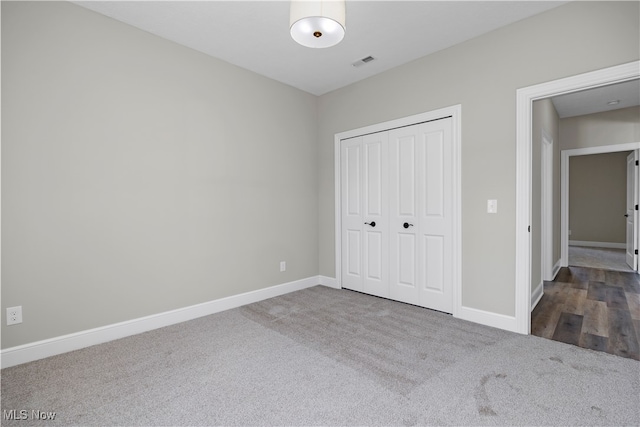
547, 206
631, 214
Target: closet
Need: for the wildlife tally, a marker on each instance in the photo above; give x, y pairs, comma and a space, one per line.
396, 208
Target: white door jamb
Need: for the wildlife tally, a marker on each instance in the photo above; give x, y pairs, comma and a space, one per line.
547, 206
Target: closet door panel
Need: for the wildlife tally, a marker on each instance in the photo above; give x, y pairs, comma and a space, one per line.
373, 155
433, 263
353, 254
406, 273
435, 216
405, 171
351, 201
433, 174
365, 245
375, 210
403, 206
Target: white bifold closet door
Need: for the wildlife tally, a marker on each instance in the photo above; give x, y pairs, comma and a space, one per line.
402, 180
365, 214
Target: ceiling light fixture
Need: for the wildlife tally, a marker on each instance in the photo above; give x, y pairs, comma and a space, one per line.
317, 23
614, 102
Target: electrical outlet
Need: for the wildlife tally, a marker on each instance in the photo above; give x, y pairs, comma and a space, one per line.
283, 266
14, 315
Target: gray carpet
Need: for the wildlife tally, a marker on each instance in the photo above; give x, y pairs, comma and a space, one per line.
328, 357
604, 258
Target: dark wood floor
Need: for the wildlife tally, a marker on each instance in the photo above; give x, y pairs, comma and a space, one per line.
591, 308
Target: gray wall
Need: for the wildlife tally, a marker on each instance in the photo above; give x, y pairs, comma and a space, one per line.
593, 130
598, 197
597, 183
139, 176
483, 75
544, 117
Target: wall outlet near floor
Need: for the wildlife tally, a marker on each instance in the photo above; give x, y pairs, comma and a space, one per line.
14, 315
283, 266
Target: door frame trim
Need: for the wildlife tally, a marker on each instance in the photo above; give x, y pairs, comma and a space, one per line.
455, 112
546, 190
524, 113
564, 187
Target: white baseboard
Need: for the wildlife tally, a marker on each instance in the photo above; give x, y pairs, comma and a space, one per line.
556, 269
536, 294
465, 313
330, 282
58, 345
488, 318
598, 244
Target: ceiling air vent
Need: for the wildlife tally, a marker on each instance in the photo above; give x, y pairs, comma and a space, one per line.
363, 61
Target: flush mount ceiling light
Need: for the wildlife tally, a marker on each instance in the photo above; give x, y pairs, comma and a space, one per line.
614, 102
317, 23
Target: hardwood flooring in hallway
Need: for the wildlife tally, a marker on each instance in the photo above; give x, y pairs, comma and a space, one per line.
591, 308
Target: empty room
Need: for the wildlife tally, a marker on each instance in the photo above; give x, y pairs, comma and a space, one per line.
315, 213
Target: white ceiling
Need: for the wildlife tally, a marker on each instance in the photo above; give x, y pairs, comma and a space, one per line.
596, 100
255, 34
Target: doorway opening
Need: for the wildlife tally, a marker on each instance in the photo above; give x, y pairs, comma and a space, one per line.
524, 105
598, 199
595, 304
